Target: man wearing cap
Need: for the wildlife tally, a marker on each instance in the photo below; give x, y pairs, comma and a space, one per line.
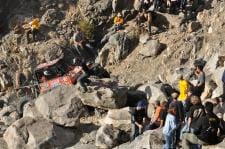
118, 22
138, 119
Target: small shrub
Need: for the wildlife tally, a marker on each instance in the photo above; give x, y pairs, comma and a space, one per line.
87, 28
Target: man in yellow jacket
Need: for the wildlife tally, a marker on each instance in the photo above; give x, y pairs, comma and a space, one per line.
34, 28
118, 22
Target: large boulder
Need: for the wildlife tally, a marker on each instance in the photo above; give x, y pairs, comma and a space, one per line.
152, 91
107, 137
149, 140
151, 49
61, 105
118, 118
117, 47
30, 133
104, 94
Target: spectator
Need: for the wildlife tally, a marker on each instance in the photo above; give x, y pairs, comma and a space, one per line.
163, 113
145, 4
172, 6
144, 19
196, 111
138, 119
34, 28
118, 22
200, 86
183, 88
82, 45
220, 107
169, 129
159, 116
179, 114
206, 130
221, 132
188, 103
178, 107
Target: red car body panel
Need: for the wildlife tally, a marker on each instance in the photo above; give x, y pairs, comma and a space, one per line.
68, 79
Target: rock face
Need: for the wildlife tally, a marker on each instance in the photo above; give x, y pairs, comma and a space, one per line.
61, 105
118, 118
107, 137
151, 49
30, 133
104, 94
149, 140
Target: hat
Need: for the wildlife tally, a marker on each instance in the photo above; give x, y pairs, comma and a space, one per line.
142, 104
119, 15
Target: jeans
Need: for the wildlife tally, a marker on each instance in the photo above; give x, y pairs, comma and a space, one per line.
135, 131
82, 80
118, 27
169, 141
34, 33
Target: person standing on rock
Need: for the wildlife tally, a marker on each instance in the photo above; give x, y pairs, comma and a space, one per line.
138, 119
34, 28
81, 43
118, 22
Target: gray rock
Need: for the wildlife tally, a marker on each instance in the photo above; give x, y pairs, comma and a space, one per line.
118, 118
149, 140
104, 94
61, 105
30, 133
107, 137
119, 45
151, 48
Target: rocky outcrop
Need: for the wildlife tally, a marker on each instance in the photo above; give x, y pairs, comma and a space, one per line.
104, 94
30, 133
8, 115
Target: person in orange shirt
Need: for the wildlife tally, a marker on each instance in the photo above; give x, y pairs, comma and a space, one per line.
34, 28
118, 22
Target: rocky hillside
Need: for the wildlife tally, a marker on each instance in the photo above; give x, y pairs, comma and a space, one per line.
135, 59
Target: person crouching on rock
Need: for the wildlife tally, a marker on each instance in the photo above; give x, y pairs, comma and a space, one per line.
84, 77
169, 130
34, 28
118, 22
138, 119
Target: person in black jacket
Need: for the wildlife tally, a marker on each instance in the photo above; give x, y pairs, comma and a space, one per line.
205, 131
